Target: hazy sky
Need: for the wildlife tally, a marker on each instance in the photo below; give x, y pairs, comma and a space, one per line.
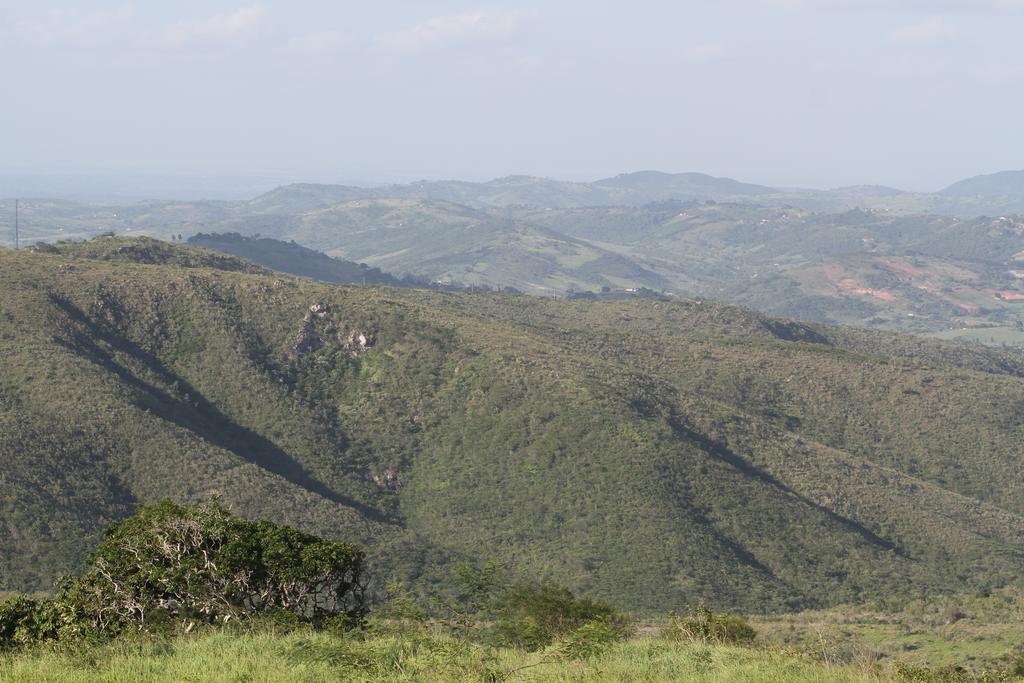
801, 92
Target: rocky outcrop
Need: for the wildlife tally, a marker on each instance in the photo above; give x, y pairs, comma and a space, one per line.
318, 323
387, 480
355, 342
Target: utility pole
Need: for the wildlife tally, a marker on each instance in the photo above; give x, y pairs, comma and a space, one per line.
16, 241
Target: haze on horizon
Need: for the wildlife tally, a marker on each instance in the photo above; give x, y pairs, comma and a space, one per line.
814, 93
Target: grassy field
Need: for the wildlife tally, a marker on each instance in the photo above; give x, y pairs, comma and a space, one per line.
954, 640
307, 656
976, 632
993, 336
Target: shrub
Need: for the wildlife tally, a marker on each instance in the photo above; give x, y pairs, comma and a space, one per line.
591, 639
171, 566
533, 615
1017, 663
706, 626
22, 620
949, 674
477, 597
398, 613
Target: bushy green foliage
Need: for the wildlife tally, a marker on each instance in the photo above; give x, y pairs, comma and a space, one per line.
24, 620
533, 615
706, 626
397, 612
592, 638
1017, 662
171, 566
472, 597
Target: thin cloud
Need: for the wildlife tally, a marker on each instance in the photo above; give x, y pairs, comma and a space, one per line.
216, 28
442, 31
932, 30
72, 28
317, 42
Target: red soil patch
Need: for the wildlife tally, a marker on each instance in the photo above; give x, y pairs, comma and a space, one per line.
854, 286
882, 294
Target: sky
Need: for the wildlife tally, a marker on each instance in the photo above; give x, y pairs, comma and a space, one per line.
813, 93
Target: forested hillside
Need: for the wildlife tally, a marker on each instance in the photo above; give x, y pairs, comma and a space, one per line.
289, 257
651, 453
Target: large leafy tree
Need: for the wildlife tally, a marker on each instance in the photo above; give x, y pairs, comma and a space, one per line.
198, 564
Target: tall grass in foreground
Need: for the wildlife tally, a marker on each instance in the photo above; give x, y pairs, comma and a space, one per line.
310, 656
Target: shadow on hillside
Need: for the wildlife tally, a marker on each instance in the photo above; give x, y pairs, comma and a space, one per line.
791, 331
197, 414
744, 466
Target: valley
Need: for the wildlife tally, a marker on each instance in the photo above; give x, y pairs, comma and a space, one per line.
925, 268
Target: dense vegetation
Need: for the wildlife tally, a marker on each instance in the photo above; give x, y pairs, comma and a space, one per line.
276, 604
651, 454
169, 568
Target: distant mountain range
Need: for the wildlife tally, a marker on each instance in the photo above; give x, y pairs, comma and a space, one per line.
683, 234
627, 189
636, 188
989, 194
993, 194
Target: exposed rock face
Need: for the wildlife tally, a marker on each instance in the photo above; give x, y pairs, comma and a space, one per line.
388, 479
354, 341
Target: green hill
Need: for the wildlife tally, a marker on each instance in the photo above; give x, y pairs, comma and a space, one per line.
651, 453
643, 187
300, 197
440, 240
292, 258
1002, 184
